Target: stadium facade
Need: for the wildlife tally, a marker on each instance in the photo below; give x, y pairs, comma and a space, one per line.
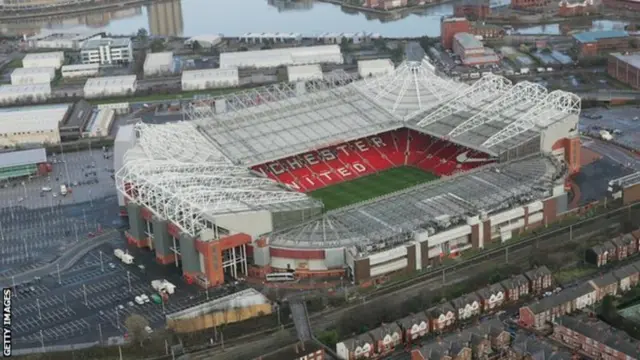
226, 192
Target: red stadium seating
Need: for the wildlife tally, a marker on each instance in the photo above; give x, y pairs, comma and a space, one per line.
335, 164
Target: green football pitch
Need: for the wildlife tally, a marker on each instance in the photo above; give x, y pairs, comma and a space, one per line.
371, 186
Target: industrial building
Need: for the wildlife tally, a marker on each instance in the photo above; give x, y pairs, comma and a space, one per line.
32, 125
73, 125
260, 38
100, 123
585, 8
205, 41
49, 59
34, 75
449, 27
16, 94
304, 72
159, 64
165, 18
227, 192
110, 86
209, 79
107, 51
472, 9
61, 40
80, 70
625, 68
282, 57
472, 51
376, 67
594, 43
23, 163
354, 38
529, 4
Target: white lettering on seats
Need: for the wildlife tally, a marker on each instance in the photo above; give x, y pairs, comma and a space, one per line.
377, 141
276, 168
327, 154
359, 167
343, 172
361, 146
310, 159
294, 164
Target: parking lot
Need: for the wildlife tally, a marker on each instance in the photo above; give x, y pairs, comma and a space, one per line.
622, 122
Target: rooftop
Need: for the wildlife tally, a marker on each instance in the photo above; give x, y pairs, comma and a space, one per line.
632, 59
209, 73
44, 55
593, 36
25, 89
112, 42
468, 41
111, 81
23, 157
49, 35
293, 351
601, 332
33, 70
160, 58
32, 118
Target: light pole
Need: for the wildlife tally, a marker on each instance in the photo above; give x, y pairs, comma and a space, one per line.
117, 318
59, 280
2, 231
129, 281
76, 230
84, 289
42, 341
39, 312
101, 265
100, 332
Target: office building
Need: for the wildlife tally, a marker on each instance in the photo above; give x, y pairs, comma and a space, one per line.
107, 51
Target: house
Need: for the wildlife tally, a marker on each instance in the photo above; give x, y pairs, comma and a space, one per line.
516, 287
540, 313
442, 316
633, 244
303, 350
627, 277
540, 279
386, 337
495, 331
595, 338
528, 347
596, 255
435, 350
625, 246
414, 327
636, 235
358, 347
492, 296
584, 296
605, 284
467, 306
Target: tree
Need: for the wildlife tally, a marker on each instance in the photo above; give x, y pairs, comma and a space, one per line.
142, 34
344, 44
329, 338
136, 326
157, 45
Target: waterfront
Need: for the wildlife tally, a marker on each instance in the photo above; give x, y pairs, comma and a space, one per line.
232, 18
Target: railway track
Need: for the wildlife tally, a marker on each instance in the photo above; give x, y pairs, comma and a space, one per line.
608, 223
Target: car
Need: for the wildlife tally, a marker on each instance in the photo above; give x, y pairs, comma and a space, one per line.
46, 189
20, 199
121, 307
130, 303
148, 329
139, 300
141, 267
55, 195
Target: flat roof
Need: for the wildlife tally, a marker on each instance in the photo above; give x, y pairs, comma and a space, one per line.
109, 81
23, 157
78, 118
468, 41
632, 59
96, 43
50, 35
25, 89
209, 74
32, 118
33, 70
160, 58
593, 36
80, 67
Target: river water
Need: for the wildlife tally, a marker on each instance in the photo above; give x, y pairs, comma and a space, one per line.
235, 17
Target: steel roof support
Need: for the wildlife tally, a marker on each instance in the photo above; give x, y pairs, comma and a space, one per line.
522, 94
488, 87
555, 105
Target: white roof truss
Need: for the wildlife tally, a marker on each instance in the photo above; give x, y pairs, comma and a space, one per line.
489, 87
522, 94
555, 106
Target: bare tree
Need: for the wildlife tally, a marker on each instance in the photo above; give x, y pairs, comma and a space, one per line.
136, 325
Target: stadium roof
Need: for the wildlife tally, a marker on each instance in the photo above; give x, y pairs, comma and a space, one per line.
192, 171
435, 205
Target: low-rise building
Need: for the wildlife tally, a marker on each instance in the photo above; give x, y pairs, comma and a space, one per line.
107, 51
34, 75
414, 326
467, 306
540, 313
625, 246
595, 338
442, 317
32, 125
209, 79
493, 297
605, 284
158, 64
61, 40
584, 296
528, 347
540, 279
80, 70
110, 86
472, 51
74, 124
627, 277
625, 67
53, 59
570, 9
27, 94
516, 287
374, 68
529, 4
386, 338
302, 350
594, 43
451, 26
304, 73
358, 347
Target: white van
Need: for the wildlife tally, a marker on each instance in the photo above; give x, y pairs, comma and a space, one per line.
63, 189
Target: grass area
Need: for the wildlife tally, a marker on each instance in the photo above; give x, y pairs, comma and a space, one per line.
15, 63
371, 186
161, 97
568, 275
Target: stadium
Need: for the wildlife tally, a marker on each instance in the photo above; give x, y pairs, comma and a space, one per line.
347, 178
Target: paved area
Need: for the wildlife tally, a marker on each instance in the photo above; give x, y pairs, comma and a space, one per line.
625, 119
614, 153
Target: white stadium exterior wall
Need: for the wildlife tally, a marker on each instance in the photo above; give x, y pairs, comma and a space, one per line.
252, 223
374, 68
304, 72
558, 131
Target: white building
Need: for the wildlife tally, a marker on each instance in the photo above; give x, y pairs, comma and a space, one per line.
110, 86
279, 57
31, 125
258, 38
12, 94
209, 79
61, 40
158, 63
304, 72
80, 70
49, 59
374, 68
34, 75
107, 51
205, 41
100, 123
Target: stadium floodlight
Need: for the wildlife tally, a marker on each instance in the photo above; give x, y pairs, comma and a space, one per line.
488, 88
523, 95
554, 107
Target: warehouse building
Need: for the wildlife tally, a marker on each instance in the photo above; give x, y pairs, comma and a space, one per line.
472, 51
15, 94
158, 64
49, 59
110, 86
593, 43
80, 70
374, 68
304, 72
625, 68
34, 75
259, 38
282, 57
73, 125
66, 40
32, 125
100, 123
107, 51
205, 41
23, 163
209, 79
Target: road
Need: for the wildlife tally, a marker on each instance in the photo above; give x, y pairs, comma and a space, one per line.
397, 293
